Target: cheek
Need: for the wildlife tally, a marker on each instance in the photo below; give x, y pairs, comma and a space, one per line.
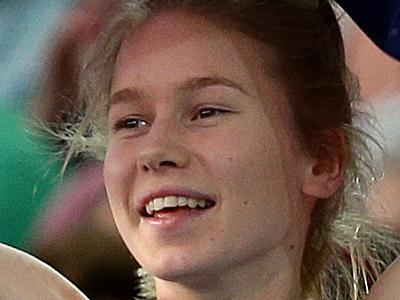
259, 184
256, 206
118, 165
117, 176
250, 163
252, 172
118, 181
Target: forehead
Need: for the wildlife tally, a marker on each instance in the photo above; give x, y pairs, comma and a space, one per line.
188, 46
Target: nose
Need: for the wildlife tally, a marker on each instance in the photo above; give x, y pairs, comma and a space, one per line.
161, 160
163, 148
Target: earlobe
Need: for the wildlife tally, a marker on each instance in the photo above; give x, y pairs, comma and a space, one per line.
323, 178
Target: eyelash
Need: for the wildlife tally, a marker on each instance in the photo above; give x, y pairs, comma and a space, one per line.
207, 112
123, 123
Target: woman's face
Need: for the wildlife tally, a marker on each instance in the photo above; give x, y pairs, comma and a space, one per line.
195, 115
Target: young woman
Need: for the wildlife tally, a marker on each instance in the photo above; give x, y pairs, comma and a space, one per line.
233, 166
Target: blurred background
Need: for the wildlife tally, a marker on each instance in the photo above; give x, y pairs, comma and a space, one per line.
62, 219
66, 222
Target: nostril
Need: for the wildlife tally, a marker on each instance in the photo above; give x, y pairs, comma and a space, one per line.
167, 163
161, 160
160, 165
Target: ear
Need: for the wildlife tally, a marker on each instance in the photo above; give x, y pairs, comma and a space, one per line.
324, 174
323, 178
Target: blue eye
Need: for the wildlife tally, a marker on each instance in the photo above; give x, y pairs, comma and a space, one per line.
130, 123
208, 112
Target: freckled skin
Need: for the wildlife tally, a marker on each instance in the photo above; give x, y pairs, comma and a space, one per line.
259, 210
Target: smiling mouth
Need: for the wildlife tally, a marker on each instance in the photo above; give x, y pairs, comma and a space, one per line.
159, 207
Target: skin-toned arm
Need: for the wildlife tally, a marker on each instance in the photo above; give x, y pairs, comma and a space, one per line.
379, 22
388, 286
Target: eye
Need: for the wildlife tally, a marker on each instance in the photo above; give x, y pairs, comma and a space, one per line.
130, 123
209, 112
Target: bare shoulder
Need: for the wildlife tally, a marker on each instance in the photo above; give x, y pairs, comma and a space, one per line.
388, 286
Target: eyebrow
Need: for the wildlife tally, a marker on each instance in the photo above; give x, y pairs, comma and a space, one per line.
197, 83
190, 86
126, 95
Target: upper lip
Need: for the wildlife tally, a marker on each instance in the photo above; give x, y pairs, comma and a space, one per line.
172, 191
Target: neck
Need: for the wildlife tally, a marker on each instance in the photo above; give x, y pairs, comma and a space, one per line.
277, 279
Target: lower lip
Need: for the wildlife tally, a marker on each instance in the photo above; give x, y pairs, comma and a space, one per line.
176, 218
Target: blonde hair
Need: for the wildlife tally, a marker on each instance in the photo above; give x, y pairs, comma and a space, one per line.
346, 250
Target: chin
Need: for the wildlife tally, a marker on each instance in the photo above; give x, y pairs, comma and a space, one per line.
178, 268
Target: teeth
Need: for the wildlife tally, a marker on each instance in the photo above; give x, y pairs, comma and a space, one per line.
158, 204
192, 203
182, 201
170, 201
149, 210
